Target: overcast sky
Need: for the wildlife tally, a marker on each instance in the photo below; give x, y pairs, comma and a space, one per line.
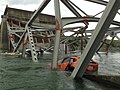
31, 5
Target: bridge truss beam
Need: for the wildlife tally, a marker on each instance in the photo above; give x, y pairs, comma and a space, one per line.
96, 38
29, 31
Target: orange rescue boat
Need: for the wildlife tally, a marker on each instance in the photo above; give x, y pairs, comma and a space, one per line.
69, 63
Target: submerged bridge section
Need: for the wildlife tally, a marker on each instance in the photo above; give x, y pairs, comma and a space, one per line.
22, 29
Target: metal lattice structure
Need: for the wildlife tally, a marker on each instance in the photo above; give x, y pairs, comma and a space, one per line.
25, 29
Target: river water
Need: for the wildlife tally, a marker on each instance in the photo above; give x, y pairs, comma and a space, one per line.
23, 74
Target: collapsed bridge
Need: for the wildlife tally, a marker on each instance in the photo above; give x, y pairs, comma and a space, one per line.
13, 26
22, 29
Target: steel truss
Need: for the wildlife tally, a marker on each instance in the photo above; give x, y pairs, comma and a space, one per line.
27, 35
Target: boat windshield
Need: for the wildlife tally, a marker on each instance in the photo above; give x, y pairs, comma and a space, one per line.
66, 59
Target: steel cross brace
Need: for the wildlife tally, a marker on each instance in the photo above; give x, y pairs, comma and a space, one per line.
100, 30
72, 9
41, 7
98, 2
72, 20
32, 45
11, 36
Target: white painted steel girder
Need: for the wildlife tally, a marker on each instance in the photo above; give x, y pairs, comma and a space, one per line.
72, 20
57, 34
39, 10
97, 36
98, 2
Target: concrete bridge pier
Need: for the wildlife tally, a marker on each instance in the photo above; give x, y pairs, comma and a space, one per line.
4, 34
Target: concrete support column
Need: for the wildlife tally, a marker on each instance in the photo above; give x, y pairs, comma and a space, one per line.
4, 34
57, 34
96, 38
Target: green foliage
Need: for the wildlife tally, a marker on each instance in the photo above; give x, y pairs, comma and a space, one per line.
116, 43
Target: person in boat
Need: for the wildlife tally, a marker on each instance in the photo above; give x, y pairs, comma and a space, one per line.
70, 61
69, 68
